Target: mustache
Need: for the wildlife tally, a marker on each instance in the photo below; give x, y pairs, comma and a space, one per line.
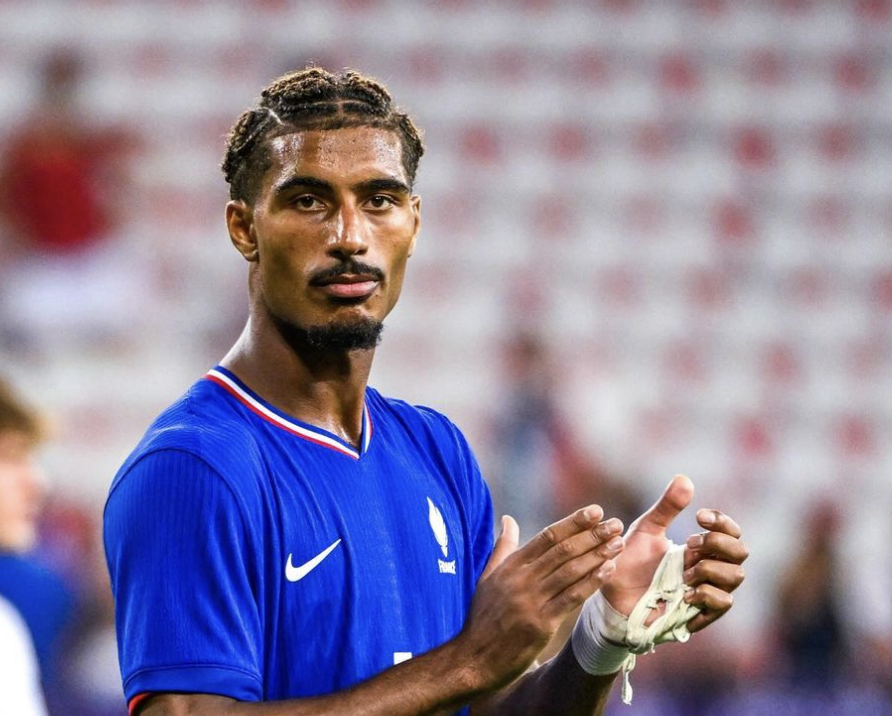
347, 267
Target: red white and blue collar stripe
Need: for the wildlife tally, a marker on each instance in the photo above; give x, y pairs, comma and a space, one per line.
232, 386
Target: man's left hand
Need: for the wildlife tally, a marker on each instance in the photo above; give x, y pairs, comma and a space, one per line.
712, 563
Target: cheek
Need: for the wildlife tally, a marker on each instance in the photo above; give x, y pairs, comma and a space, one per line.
12, 499
399, 265
398, 270
282, 264
400, 243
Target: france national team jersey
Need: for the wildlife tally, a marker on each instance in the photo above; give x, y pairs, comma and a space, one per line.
257, 557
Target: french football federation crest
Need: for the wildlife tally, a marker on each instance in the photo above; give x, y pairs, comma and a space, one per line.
438, 526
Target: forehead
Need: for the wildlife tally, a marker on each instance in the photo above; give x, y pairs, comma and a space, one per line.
348, 154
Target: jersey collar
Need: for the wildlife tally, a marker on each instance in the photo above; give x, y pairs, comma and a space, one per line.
238, 390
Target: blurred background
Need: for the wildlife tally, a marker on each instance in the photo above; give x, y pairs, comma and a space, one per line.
657, 238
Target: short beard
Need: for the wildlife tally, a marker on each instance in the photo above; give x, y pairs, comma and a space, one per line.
336, 337
361, 335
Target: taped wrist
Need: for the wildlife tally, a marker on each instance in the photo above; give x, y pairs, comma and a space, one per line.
605, 641
599, 637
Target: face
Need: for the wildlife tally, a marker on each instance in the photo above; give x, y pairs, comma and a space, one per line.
21, 492
331, 229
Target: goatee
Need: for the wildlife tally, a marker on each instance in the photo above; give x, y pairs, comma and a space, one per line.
338, 336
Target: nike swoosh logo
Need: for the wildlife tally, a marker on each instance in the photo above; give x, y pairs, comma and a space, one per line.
295, 574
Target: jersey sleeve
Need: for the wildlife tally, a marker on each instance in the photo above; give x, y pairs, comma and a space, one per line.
480, 510
180, 559
483, 539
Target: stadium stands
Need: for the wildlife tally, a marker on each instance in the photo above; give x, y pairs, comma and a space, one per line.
692, 201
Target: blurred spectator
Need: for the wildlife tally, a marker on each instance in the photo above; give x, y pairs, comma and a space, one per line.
53, 173
87, 681
56, 613
20, 497
534, 451
809, 620
540, 473
60, 263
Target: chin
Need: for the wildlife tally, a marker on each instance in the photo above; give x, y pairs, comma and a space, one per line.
356, 331
360, 333
18, 538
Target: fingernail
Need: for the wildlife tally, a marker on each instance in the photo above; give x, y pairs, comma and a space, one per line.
614, 544
707, 518
606, 569
695, 541
688, 597
688, 575
590, 513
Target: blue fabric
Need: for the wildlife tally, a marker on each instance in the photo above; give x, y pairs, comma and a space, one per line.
44, 601
216, 499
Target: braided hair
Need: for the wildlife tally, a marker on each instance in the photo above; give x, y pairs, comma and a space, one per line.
311, 99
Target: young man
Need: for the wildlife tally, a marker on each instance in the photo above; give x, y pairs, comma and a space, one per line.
21, 493
285, 541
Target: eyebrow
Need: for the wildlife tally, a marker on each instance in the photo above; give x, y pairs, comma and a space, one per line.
309, 182
373, 185
302, 182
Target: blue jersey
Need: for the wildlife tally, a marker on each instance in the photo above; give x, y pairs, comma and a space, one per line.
257, 557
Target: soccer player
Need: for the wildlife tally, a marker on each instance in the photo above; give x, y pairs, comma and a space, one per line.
286, 541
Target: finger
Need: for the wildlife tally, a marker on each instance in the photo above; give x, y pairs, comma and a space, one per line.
576, 569
505, 545
577, 545
724, 575
579, 521
677, 495
717, 545
717, 521
713, 601
575, 594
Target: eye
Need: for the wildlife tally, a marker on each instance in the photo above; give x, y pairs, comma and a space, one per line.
381, 201
307, 202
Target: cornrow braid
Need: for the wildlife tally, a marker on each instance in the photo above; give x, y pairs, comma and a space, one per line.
312, 99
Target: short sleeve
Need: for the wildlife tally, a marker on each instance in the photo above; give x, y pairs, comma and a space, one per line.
483, 522
480, 512
183, 576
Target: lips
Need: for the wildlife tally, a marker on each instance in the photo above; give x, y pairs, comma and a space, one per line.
349, 285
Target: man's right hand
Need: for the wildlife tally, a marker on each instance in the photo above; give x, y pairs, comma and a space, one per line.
525, 594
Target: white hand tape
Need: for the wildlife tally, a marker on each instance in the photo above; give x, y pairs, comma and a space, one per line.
605, 641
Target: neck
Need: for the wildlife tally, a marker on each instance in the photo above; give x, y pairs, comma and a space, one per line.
323, 388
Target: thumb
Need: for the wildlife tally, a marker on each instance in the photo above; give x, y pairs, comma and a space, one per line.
677, 495
505, 545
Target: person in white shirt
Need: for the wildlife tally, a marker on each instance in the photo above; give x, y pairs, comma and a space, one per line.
21, 494
20, 692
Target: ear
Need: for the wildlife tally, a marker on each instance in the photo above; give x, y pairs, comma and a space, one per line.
240, 222
416, 213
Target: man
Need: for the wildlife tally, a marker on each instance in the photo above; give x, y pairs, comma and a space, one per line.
20, 497
285, 541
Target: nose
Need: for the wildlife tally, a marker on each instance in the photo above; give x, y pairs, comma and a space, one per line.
349, 235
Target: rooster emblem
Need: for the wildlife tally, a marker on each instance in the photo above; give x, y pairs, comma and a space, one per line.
438, 526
